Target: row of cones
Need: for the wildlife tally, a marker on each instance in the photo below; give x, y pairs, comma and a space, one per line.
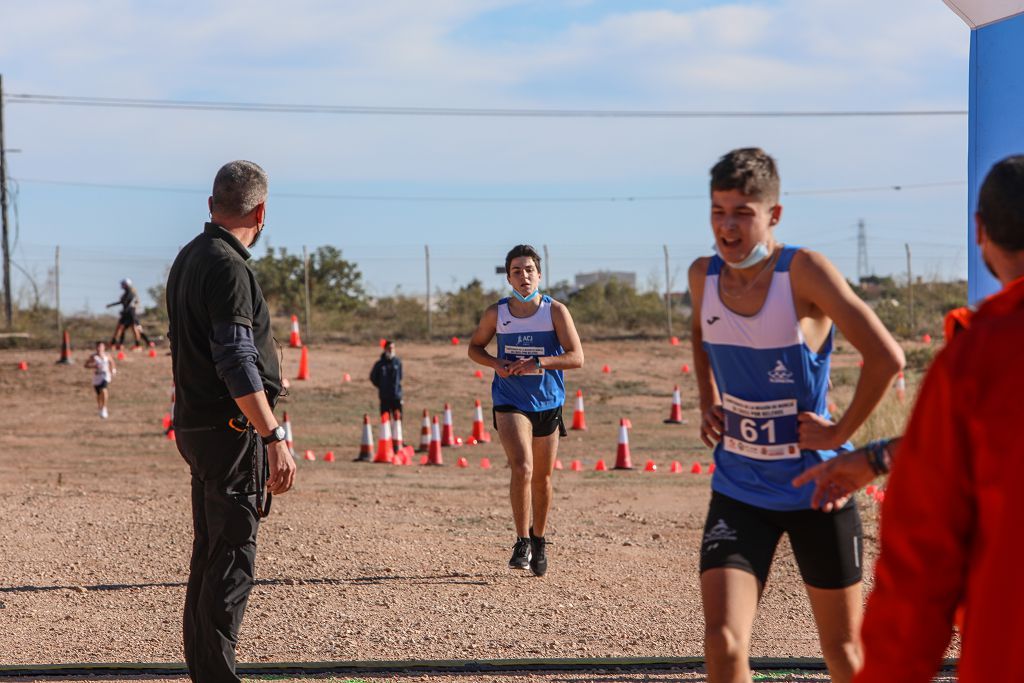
65, 352
579, 415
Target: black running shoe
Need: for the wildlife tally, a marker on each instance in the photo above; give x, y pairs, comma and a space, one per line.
538, 556
520, 554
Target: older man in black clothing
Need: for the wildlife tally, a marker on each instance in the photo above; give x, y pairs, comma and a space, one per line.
227, 380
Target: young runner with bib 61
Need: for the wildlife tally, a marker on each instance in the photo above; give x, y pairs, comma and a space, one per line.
764, 318
537, 340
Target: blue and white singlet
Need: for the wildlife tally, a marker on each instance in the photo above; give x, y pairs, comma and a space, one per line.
525, 338
766, 375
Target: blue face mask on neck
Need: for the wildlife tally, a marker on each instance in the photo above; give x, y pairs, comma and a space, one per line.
757, 254
526, 299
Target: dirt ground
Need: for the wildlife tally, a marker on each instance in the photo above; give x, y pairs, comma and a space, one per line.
369, 562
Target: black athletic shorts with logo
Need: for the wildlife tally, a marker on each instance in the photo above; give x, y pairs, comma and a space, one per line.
544, 422
828, 546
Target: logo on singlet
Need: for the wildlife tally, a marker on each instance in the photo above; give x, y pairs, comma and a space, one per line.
780, 374
713, 319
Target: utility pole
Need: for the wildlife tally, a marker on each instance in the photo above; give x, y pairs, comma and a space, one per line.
8, 312
56, 284
863, 270
430, 315
668, 292
910, 289
547, 271
305, 267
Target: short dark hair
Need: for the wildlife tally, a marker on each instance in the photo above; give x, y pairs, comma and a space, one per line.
240, 186
521, 250
1001, 203
750, 170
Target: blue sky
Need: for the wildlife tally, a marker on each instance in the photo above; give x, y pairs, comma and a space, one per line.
600, 54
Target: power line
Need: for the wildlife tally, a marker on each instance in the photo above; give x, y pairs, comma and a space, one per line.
494, 200
283, 108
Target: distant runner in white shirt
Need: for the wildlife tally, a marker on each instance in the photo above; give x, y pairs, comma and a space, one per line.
104, 370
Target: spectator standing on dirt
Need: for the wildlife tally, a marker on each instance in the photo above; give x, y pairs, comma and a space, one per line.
103, 371
764, 318
227, 379
952, 510
386, 375
129, 318
537, 340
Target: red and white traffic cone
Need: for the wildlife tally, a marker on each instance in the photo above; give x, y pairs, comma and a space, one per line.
434, 455
448, 438
397, 429
366, 444
579, 417
425, 432
622, 459
676, 416
385, 446
288, 440
901, 388
480, 433
294, 340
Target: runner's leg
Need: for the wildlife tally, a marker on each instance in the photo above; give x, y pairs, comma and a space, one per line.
730, 597
516, 433
838, 613
545, 449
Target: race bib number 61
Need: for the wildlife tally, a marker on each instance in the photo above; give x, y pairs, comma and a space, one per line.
763, 430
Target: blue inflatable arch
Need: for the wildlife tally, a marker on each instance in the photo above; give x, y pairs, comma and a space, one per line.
996, 119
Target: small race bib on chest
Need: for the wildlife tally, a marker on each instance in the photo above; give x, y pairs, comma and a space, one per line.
763, 430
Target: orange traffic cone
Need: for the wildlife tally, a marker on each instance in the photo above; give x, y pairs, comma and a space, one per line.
606, 369
870, 489
425, 433
385, 446
676, 467
675, 417
448, 438
901, 388
695, 468
926, 338
170, 435
462, 462
304, 364
485, 463
685, 369
558, 464
120, 353
479, 374
455, 341
383, 342
674, 341
366, 444
424, 459
309, 455
398, 431
576, 466
434, 455
329, 456
711, 468
152, 349
295, 341
650, 466
600, 466
22, 365
480, 433
579, 416
288, 440
622, 461
65, 350
346, 377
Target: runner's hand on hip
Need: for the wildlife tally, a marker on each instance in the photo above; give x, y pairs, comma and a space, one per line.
712, 424
816, 433
282, 468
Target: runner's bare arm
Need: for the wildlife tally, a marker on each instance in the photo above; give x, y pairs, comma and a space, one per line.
565, 330
482, 336
712, 421
817, 282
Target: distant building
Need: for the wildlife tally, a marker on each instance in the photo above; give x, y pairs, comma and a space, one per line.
605, 276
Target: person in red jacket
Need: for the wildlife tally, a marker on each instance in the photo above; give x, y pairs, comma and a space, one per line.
951, 513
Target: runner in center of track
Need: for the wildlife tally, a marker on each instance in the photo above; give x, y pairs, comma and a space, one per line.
763, 333
537, 340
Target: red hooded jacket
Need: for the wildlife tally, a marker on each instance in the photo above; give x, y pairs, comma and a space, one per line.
954, 513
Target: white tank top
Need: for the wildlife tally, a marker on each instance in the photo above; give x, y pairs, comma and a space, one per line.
101, 373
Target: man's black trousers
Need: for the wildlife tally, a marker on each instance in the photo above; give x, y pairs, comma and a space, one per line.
225, 520
392, 406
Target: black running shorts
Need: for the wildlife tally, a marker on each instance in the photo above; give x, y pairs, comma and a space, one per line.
128, 318
100, 387
544, 422
828, 546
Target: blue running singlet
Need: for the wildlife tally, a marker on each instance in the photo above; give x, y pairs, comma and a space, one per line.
766, 375
525, 338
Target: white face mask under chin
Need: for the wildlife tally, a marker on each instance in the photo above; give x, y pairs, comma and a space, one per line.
759, 253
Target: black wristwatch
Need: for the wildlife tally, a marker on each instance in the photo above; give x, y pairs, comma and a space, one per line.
277, 435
